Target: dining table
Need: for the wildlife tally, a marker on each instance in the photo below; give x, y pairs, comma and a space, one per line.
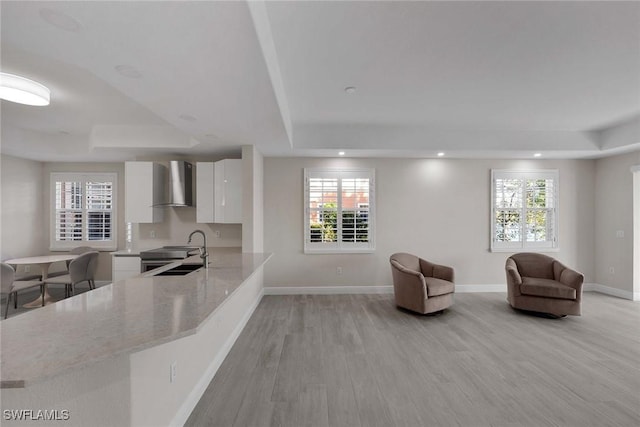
44, 261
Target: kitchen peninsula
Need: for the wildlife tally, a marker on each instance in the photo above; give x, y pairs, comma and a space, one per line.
137, 352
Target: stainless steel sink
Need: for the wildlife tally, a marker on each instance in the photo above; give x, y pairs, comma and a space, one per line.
180, 270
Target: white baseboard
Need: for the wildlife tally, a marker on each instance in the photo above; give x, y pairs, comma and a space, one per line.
340, 290
615, 292
196, 393
462, 289
327, 290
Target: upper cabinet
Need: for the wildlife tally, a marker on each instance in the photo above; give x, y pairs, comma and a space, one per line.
219, 192
144, 189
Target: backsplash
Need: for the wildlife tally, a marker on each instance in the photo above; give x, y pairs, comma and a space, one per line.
178, 224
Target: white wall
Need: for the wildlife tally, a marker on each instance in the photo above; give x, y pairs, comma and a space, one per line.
22, 230
614, 212
436, 208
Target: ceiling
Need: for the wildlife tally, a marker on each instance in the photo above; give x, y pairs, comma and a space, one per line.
471, 79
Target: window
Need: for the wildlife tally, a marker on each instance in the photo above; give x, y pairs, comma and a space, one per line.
339, 214
524, 210
83, 210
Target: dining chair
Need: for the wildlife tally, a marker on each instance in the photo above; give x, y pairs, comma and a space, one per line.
81, 269
78, 250
11, 287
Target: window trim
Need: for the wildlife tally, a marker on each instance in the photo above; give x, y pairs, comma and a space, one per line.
523, 245
60, 246
339, 247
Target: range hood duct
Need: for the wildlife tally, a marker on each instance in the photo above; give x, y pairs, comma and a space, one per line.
180, 184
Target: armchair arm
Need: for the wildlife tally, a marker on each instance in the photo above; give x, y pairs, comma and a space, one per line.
573, 279
567, 276
409, 285
513, 275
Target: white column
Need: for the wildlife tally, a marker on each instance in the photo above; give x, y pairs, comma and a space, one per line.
252, 199
636, 232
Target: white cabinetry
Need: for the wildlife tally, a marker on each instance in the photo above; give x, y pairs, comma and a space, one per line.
144, 188
124, 267
219, 192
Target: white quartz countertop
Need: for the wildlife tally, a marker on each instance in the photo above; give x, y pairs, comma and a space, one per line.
121, 318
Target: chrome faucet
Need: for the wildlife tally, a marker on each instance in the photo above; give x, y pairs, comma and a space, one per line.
203, 250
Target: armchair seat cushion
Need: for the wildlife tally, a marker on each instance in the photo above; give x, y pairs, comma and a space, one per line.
548, 288
437, 286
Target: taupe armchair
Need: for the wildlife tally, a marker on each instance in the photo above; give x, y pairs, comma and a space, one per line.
420, 285
542, 284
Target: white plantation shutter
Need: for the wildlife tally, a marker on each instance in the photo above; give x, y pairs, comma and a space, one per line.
99, 196
83, 211
339, 210
68, 210
524, 210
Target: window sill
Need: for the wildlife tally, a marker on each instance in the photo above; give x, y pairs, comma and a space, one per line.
99, 248
338, 251
516, 250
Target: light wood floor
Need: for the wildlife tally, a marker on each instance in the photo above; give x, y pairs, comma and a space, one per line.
357, 360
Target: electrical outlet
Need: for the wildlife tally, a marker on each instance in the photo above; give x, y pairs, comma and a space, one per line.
152, 234
217, 233
612, 270
173, 371
620, 234
339, 271
27, 268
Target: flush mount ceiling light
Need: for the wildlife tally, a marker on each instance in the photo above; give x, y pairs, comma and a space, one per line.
23, 91
440, 154
350, 89
537, 155
341, 153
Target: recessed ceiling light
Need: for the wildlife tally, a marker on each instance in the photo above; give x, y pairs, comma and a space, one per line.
440, 154
23, 91
537, 155
341, 153
187, 118
60, 20
128, 71
350, 89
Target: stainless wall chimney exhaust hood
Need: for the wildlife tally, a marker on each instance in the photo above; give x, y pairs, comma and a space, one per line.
180, 184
